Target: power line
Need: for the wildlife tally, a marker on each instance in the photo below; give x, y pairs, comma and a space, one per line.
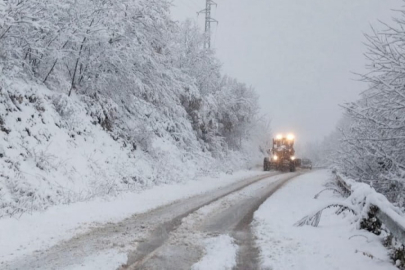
208, 21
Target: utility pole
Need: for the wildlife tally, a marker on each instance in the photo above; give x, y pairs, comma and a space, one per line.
208, 21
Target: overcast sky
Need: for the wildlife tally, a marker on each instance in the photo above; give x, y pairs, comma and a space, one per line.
298, 54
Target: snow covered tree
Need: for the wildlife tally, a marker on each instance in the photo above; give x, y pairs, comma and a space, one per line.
373, 145
143, 75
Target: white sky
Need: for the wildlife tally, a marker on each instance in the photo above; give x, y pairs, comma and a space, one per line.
298, 54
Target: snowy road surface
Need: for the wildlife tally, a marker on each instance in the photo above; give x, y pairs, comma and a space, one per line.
35, 232
177, 243
246, 224
102, 241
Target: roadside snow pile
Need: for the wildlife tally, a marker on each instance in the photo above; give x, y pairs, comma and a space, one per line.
220, 254
380, 217
335, 244
365, 197
56, 149
361, 201
372, 212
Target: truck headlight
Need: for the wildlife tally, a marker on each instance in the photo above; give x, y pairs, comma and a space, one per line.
292, 158
275, 157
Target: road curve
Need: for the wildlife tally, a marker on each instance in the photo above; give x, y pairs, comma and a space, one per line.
133, 235
175, 245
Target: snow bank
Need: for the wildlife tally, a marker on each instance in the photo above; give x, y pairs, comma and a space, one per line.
334, 244
363, 197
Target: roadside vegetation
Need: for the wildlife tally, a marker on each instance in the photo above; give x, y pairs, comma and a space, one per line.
99, 97
369, 142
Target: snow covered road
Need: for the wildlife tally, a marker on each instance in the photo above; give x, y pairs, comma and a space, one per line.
244, 224
88, 248
179, 244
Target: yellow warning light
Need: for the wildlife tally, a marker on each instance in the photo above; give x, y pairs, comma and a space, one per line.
290, 137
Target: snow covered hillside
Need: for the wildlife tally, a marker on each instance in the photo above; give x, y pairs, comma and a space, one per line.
97, 98
54, 150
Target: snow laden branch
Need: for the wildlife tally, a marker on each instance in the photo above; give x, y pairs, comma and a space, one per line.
369, 143
361, 200
127, 68
133, 53
314, 218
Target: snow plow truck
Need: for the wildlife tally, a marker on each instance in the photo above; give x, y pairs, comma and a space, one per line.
281, 155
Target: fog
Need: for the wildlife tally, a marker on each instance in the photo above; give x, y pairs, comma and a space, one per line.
299, 55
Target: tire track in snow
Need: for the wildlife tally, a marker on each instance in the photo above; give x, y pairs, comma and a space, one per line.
180, 246
146, 250
125, 236
248, 255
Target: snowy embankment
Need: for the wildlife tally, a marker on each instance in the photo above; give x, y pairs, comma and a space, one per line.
56, 149
335, 244
121, 104
41, 230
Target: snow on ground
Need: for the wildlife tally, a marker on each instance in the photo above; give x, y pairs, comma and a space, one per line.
40, 230
106, 260
220, 254
56, 149
335, 244
56, 156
